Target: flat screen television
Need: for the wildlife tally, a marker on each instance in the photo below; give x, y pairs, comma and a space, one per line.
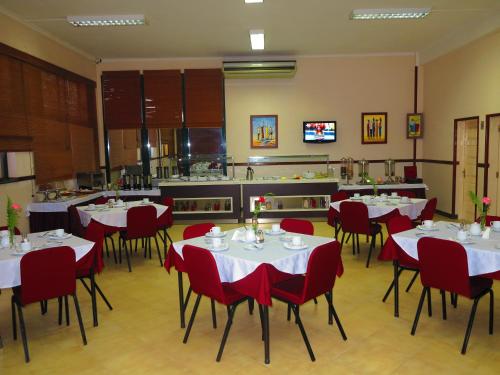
320, 131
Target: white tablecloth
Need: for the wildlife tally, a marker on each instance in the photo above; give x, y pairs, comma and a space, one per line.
383, 187
377, 209
237, 262
115, 217
483, 257
10, 269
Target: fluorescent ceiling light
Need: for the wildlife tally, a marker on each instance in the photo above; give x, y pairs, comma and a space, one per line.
112, 20
253, 1
257, 39
389, 13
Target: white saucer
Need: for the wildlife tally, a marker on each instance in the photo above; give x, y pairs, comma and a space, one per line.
253, 247
468, 241
89, 209
356, 198
289, 246
65, 237
421, 227
224, 247
495, 230
211, 235
271, 233
391, 204
19, 253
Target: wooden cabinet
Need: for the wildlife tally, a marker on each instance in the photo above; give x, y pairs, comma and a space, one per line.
204, 98
163, 98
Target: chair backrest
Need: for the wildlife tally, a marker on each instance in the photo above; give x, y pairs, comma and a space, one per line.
16, 230
166, 219
101, 200
75, 223
297, 226
406, 193
443, 265
47, 274
196, 230
321, 270
429, 209
490, 218
141, 222
202, 272
339, 196
399, 224
93, 259
410, 171
354, 217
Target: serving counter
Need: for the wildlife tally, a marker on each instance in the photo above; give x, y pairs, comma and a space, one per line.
418, 189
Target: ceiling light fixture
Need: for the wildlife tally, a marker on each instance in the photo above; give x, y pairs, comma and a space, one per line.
113, 20
253, 1
389, 13
257, 39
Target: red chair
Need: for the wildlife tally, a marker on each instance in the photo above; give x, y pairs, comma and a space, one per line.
165, 222
17, 232
102, 200
75, 223
205, 281
428, 212
45, 274
354, 220
141, 224
410, 172
297, 226
406, 193
319, 279
443, 265
92, 263
333, 218
401, 260
489, 219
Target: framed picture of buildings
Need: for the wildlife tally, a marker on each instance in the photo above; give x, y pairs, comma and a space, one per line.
373, 127
264, 131
414, 125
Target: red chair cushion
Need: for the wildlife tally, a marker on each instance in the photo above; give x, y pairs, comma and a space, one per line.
196, 230
290, 290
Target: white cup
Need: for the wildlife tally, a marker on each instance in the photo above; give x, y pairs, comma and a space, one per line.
428, 223
394, 194
249, 235
111, 200
91, 206
462, 235
59, 232
215, 230
217, 242
296, 240
276, 228
119, 202
356, 195
475, 229
405, 199
495, 225
145, 200
383, 195
4, 233
25, 246
5, 242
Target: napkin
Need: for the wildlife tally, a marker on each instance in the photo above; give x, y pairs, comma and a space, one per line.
486, 234
238, 235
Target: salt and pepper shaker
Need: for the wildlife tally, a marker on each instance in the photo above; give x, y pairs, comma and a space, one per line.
259, 236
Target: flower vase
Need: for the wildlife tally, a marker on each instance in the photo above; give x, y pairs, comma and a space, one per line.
483, 221
255, 223
11, 237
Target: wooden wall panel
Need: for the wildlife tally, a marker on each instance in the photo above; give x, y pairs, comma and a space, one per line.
163, 98
204, 98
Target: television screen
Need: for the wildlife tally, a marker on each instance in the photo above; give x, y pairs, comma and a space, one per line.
320, 131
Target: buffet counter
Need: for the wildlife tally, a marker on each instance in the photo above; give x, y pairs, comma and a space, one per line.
418, 189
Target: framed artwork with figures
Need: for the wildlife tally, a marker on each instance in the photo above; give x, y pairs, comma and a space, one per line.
373, 127
414, 125
264, 131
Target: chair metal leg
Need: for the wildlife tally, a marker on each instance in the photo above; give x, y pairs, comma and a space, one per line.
23, 333
14, 324
342, 240
251, 304
267, 355
336, 317
469, 325
120, 241
429, 302
181, 299
353, 243
330, 319
315, 301
232, 310
66, 308
127, 254
443, 302
113, 246
303, 332
214, 317
262, 320
289, 312
103, 296
419, 310
93, 297
191, 320
381, 240
357, 241
158, 250
80, 322
389, 290
59, 308
490, 327
372, 245
106, 246
396, 288
412, 281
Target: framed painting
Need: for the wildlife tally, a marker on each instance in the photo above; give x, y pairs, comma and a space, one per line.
264, 131
373, 127
414, 125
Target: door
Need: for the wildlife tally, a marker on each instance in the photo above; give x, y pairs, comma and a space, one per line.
494, 168
467, 176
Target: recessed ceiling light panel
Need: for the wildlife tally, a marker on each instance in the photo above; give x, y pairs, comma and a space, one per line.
389, 13
253, 1
257, 39
112, 20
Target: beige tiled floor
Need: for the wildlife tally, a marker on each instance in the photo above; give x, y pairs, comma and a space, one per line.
142, 333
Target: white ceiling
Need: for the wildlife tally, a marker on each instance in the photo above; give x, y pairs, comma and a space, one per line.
202, 28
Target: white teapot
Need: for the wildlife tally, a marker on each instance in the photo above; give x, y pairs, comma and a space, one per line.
475, 229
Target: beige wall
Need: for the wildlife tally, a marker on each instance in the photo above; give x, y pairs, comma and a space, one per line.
21, 37
463, 83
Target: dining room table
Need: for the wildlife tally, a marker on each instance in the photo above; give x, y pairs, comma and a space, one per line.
383, 206
250, 268
483, 254
114, 215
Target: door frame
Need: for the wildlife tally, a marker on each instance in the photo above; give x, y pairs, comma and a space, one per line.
487, 151
455, 162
